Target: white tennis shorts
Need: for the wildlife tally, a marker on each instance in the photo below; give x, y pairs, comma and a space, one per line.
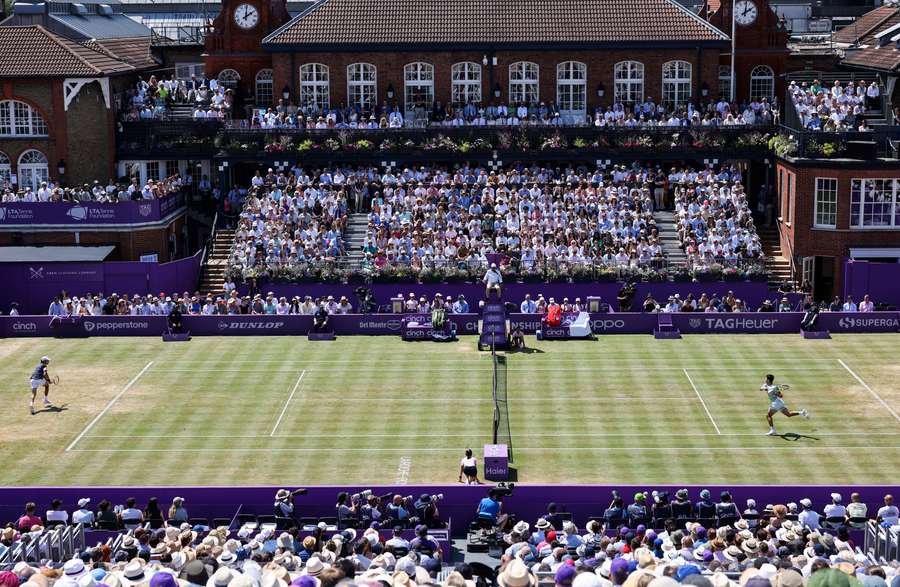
777, 405
36, 383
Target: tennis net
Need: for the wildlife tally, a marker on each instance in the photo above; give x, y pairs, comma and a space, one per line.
501, 432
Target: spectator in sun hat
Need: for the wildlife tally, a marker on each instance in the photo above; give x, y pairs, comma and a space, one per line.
808, 518
516, 574
835, 509
221, 578
83, 515
638, 509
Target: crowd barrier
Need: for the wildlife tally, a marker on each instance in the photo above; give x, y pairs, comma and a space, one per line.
466, 324
528, 502
88, 213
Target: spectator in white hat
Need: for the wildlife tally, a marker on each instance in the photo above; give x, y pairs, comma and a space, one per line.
83, 515
835, 509
177, 513
808, 518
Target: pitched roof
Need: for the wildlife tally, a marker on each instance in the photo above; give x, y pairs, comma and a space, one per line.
872, 54
342, 23
92, 26
135, 51
863, 25
50, 55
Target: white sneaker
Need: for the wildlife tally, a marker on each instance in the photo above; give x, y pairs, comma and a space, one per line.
47, 401
771, 432
805, 414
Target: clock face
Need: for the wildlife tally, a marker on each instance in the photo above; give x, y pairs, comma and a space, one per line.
745, 12
246, 16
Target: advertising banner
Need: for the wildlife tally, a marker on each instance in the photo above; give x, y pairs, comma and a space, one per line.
75, 213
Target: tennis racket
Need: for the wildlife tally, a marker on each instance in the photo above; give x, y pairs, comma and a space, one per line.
784, 387
54, 379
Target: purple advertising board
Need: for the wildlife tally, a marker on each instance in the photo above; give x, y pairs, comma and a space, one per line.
466, 324
73, 214
34, 285
881, 281
528, 502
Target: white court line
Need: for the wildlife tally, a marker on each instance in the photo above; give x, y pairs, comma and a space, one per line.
520, 449
872, 391
525, 371
479, 435
703, 403
288, 402
403, 470
108, 406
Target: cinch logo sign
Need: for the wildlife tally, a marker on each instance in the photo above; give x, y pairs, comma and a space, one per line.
24, 327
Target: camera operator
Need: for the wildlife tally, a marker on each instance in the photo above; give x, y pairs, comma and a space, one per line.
425, 545
397, 509
284, 504
490, 508
346, 508
427, 511
625, 297
370, 511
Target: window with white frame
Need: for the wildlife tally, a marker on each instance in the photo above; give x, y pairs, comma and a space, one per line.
418, 86
33, 169
314, 87
152, 170
265, 95
875, 203
5, 170
184, 71
229, 78
18, 119
826, 202
465, 83
676, 82
724, 83
571, 88
629, 82
361, 85
762, 83
172, 168
523, 82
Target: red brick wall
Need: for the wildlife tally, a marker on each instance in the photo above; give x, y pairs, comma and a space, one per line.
802, 237
600, 66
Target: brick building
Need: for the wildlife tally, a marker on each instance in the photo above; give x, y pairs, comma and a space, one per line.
578, 54
829, 210
62, 67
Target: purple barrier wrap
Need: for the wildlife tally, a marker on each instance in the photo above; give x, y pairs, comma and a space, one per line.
459, 503
880, 280
34, 285
74, 213
392, 324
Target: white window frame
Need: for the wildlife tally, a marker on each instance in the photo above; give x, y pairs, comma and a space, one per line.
628, 82
677, 82
825, 206
19, 119
571, 90
860, 189
524, 83
32, 169
362, 85
5, 170
184, 71
418, 81
315, 87
265, 88
465, 83
228, 78
724, 86
762, 83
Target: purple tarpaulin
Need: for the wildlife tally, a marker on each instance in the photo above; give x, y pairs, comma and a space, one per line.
880, 280
459, 503
34, 285
88, 213
391, 324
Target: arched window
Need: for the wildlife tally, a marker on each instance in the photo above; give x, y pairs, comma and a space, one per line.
361, 85
33, 169
265, 96
676, 82
418, 89
523, 83
229, 78
629, 82
762, 83
465, 83
18, 119
314, 87
5, 170
571, 90
725, 82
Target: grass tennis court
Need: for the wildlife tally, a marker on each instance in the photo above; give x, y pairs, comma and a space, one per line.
281, 410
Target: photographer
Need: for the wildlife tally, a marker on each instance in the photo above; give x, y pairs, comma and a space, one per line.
346, 509
427, 511
370, 511
284, 502
396, 510
625, 297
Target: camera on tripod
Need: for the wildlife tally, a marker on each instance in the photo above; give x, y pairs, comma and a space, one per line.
365, 300
504, 489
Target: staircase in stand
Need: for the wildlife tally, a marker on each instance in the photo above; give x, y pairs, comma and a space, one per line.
777, 265
355, 237
212, 276
668, 238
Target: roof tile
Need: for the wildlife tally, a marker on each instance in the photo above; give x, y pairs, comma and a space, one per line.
49, 55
